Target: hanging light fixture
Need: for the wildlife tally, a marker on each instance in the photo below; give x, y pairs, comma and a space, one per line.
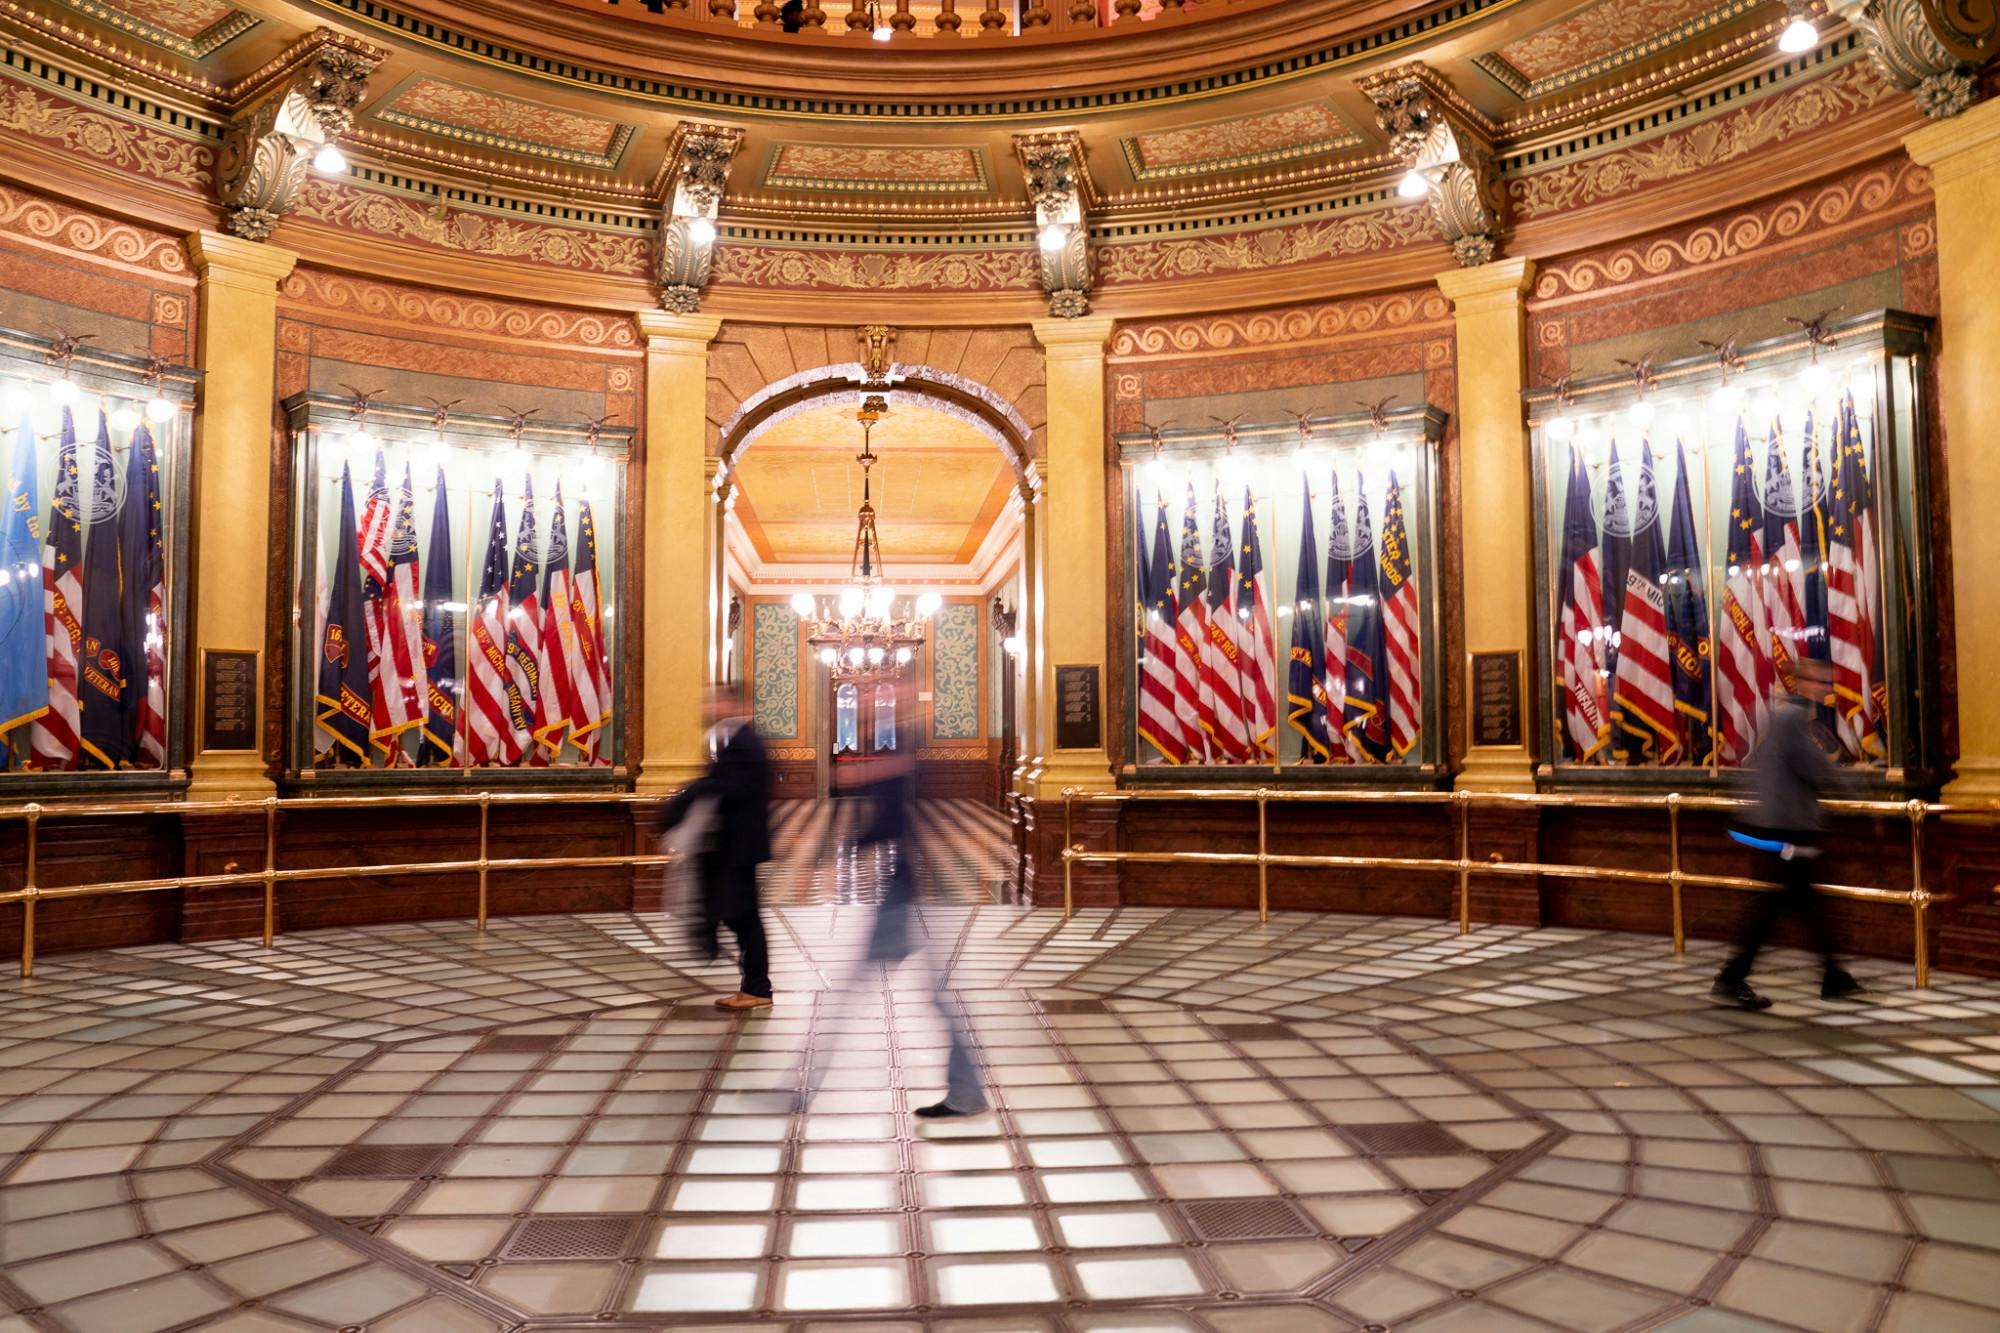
866, 636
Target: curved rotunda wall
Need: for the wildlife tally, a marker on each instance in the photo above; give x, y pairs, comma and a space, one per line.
1770, 198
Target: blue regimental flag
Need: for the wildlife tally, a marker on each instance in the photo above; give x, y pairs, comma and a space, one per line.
24, 645
1362, 711
524, 622
443, 724
1305, 685
1614, 559
1687, 624
104, 668
1642, 686
1813, 536
341, 697
143, 549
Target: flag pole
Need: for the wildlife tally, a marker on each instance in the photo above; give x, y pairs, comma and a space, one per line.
1714, 607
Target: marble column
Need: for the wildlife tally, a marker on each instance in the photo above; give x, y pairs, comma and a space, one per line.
1496, 523
678, 507
1963, 154
237, 349
1071, 547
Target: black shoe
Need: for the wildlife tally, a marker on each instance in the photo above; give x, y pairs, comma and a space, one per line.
943, 1111
1838, 985
1739, 994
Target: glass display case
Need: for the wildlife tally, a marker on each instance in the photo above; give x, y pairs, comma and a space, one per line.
457, 584
1283, 600
93, 554
1704, 525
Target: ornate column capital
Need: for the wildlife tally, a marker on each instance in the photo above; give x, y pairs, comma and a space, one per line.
686, 335
698, 159
1965, 145
1499, 285
1075, 337
249, 266
1443, 139
283, 119
1060, 189
1908, 50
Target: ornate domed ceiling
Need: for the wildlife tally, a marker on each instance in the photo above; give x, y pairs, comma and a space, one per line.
1215, 142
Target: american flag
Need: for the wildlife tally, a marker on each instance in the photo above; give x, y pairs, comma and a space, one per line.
1257, 664
104, 671
1305, 683
593, 682
1192, 706
1333, 656
558, 712
492, 719
55, 736
1744, 655
393, 604
1580, 654
1853, 583
1363, 717
1159, 716
1222, 650
1687, 627
1401, 632
1643, 702
524, 629
146, 562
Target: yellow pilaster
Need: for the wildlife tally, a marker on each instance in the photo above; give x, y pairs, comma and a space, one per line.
1963, 154
678, 511
1027, 716
1496, 525
237, 347
1071, 545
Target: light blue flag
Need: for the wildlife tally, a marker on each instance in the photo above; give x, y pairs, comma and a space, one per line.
24, 643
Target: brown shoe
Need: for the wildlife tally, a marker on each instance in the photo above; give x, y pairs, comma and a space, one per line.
742, 1001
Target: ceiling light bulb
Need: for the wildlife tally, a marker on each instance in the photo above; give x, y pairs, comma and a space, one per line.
63, 391
1798, 37
854, 656
928, 604
850, 602
880, 601
803, 605
1814, 377
700, 230
330, 161
875, 656
828, 656
1413, 185
903, 656
1012, 644
1725, 401
159, 411
1561, 428
881, 34
125, 417
1054, 236
1642, 413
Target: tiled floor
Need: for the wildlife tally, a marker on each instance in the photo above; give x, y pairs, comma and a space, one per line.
1326, 1123
967, 853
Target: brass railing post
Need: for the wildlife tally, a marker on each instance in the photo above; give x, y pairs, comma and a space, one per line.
1463, 800
1068, 856
270, 870
29, 892
1263, 857
1920, 897
485, 854
1674, 867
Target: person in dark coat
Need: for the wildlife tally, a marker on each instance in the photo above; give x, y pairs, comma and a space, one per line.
1786, 830
739, 782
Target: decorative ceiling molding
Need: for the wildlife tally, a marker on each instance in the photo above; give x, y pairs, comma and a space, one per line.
1906, 46
1449, 151
195, 29
1060, 189
478, 116
1236, 142
698, 156
877, 168
271, 143
1601, 38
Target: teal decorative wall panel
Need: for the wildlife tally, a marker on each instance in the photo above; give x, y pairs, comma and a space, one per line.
774, 689
955, 672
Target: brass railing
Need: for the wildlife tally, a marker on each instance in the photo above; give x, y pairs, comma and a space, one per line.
1675, 878
30, 894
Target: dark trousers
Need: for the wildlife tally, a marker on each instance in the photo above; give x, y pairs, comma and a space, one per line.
1796, 897
756, 951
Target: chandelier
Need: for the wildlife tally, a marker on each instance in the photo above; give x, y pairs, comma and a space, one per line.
870, 632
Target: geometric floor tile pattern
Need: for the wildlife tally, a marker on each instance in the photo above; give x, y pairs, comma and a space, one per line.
1200, 1124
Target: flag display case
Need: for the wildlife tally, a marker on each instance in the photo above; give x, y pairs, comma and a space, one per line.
1703, 524
93, 554
457, 580
1282, 596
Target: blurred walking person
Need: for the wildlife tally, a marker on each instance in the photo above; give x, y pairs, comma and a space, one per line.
889, 828
1786, 831
734, 798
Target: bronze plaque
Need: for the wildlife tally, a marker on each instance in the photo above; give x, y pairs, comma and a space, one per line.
1496, 701
228, 699
1079, 725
